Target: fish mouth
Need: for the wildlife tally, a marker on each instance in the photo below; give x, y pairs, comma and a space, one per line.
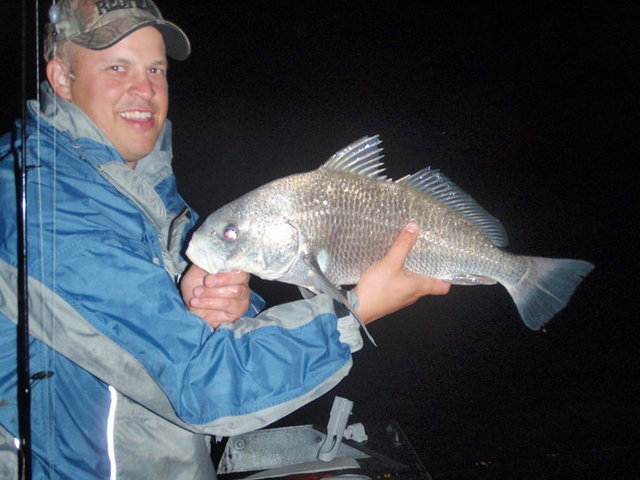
200, 257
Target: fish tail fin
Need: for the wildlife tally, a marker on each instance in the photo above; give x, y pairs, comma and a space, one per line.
546, 287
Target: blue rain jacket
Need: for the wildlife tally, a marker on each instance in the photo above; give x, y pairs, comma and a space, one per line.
127, 383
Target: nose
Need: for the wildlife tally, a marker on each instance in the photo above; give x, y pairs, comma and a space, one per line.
141, 86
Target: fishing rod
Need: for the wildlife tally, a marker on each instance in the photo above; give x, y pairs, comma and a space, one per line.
22, 333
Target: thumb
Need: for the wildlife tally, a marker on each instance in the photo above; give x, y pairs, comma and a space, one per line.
403, 243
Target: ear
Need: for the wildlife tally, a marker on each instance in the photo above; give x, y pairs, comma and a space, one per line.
59, 78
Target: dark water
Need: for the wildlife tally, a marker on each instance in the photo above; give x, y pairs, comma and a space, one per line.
533, 112
528, 110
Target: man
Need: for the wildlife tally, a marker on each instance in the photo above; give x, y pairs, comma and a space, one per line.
127, 382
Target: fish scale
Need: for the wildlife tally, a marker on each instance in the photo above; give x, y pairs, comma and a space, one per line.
444, 249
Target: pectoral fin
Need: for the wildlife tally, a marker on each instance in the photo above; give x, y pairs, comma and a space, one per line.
326, 286
306, 293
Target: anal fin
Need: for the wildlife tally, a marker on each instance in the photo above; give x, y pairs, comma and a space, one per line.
468, 279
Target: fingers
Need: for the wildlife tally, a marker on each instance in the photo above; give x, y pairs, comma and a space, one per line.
219, 287
216, 298
220, 309
213, 280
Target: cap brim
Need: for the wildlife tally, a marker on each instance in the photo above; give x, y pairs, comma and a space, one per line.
176, 41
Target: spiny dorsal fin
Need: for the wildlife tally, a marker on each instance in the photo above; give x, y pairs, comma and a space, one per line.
362, 157
438, 186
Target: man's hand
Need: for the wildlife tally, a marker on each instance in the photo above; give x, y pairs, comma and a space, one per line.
387, 286
217, 298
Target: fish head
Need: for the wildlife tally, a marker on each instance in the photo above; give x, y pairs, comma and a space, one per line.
249, 235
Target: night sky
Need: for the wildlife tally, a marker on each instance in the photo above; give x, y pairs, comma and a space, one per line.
533, 111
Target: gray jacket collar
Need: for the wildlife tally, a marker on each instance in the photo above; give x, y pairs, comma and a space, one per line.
137, 184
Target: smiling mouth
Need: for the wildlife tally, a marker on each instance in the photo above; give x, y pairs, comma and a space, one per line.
136, 115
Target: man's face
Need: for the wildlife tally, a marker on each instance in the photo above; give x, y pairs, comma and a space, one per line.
124, 90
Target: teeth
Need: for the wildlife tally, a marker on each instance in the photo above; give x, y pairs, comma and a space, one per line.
136, 115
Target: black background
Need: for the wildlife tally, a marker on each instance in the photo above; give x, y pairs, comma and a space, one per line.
533, 110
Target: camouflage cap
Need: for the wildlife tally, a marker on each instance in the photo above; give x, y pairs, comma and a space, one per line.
99, 24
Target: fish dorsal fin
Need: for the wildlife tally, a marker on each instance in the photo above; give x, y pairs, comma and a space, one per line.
438, 186
362, 157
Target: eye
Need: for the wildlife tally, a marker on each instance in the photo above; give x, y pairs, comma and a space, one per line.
157, 71
230, 233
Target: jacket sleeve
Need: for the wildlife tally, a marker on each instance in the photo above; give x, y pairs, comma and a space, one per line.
124, 321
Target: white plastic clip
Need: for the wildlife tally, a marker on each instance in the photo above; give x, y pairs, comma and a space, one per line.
340, 412
356, 433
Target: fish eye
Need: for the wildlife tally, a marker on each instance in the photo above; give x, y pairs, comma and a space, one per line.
230, 233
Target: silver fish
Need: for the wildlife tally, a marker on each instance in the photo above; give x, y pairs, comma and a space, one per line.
324, 228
